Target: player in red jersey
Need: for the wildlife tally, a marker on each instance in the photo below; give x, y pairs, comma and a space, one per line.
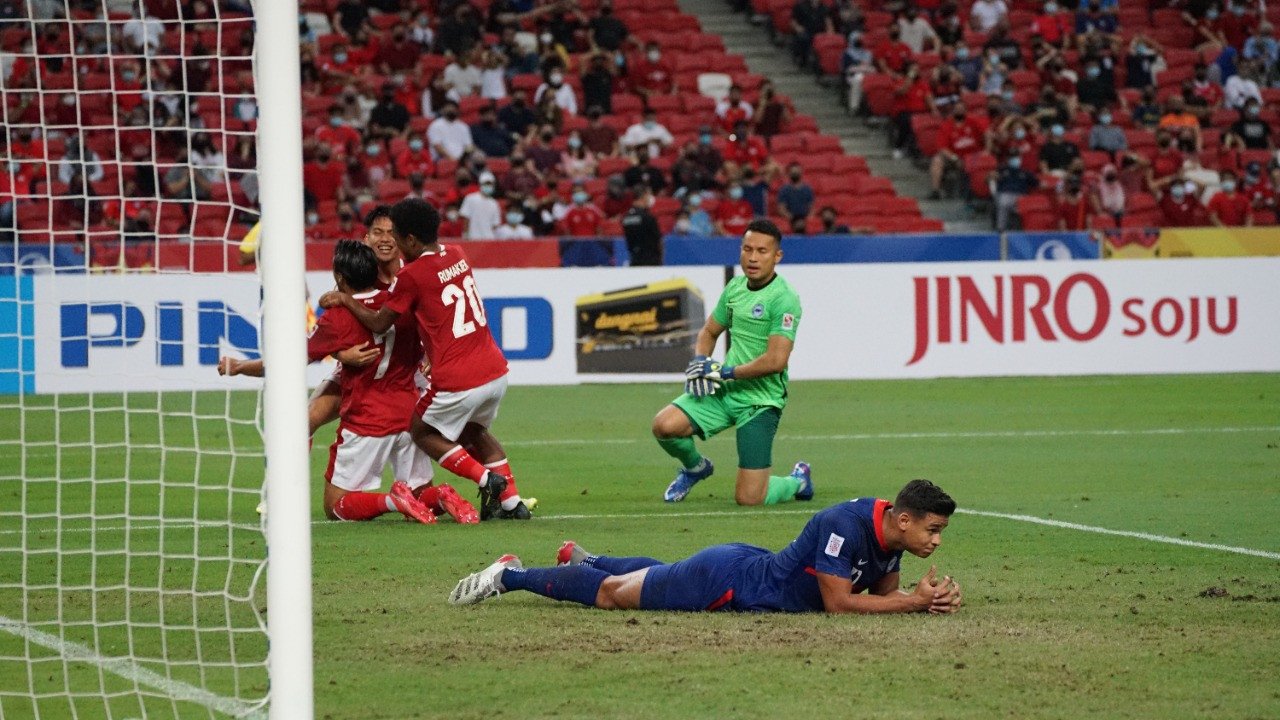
468, 371
375, 402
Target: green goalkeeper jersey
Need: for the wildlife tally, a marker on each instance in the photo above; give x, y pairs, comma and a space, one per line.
751, 317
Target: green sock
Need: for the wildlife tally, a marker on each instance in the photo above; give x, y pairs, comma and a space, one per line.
683, 450
781, 489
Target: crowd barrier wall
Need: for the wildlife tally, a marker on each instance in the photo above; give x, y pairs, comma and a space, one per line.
564, 326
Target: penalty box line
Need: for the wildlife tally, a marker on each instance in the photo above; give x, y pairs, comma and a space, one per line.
133, 672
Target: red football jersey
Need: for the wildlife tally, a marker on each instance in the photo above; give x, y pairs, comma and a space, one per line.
377, 399
440, 291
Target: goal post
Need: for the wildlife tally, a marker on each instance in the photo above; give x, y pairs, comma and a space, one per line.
136, 578
282, 260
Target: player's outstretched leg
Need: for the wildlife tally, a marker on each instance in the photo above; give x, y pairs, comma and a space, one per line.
571, 553
484, 584
357, 505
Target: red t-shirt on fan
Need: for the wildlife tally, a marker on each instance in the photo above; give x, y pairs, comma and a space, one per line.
377, 399
440, 291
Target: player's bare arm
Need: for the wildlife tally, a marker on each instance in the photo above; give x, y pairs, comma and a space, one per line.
376, 322
884, 597
359, 355
230, 367
707, 336
774, 360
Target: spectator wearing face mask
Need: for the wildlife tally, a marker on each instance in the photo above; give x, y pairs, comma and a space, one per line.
480, 211
516, 116
544, 156
648, 134
892, 55
513, 228
1055, 26
734, 213
855, 63
808, 18
448, 136
1058, 153
1095, 91
699, 220
598, 137
1004, 46
414, 158
577, 162
583, 218
959, 136
642, 173
795, 197
915, 31
1106, 136
831, 224
652, 75
733, 109
598, 84
1180, 208
1229, 207
1250, 132
1242, 87
389, 118
1070, 206
489, 137
643, 234
1009, 183
554, 83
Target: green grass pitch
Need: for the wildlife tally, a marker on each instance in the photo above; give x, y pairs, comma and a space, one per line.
1059, 621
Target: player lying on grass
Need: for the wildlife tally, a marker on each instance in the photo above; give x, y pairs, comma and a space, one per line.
842, 551
468, 371
749, 389
376, 402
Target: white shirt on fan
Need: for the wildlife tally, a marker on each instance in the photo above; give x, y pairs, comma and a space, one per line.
483, 215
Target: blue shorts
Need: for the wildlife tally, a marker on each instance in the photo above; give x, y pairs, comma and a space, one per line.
703, 581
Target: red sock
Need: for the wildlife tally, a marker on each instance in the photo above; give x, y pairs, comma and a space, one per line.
460, 463
503, 468
360, 506
430, 496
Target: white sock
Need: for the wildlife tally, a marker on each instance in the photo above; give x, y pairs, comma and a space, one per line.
511, 502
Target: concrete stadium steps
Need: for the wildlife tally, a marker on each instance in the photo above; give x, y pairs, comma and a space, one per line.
825, 104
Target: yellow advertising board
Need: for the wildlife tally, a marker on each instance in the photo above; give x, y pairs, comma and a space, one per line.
1219, 242
1130, 243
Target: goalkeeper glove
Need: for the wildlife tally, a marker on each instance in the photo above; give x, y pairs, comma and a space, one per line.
700, 387
714, 370
695, 367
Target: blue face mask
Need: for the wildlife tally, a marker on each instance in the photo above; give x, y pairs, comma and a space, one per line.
1228, 185
705, 138
1104, 119
514, 218
1093, 72
581, 198
487, 189
735, 193
962, 53
695, 200
1177, 192
1058, 131
415, 145
335, 121
575, 143
340, 58
1015, 162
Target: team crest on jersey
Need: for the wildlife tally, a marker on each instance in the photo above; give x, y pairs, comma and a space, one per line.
788, 321
757, 312
834, 543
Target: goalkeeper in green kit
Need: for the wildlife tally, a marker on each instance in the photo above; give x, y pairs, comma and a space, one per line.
749, 389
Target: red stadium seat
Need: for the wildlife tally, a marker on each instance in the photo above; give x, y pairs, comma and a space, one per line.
829, 48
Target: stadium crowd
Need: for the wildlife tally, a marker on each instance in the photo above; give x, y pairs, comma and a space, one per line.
519, 118
1066, 115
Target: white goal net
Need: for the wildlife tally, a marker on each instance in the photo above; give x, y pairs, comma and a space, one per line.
131, 554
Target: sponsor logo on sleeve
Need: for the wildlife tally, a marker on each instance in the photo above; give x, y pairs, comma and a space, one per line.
788, 321
834, 543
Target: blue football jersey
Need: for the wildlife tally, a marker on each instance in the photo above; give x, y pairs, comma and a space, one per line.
843, 540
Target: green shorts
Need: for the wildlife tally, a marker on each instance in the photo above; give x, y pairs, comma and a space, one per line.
757, 424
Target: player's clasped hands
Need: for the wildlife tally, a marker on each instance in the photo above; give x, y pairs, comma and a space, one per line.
943, 595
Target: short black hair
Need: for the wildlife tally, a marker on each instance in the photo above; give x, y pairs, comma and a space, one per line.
379, 211
921, 497
416, 217
765, 226
356, 264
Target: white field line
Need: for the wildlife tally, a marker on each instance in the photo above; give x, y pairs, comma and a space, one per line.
131, 671
939, 435
1049, 522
